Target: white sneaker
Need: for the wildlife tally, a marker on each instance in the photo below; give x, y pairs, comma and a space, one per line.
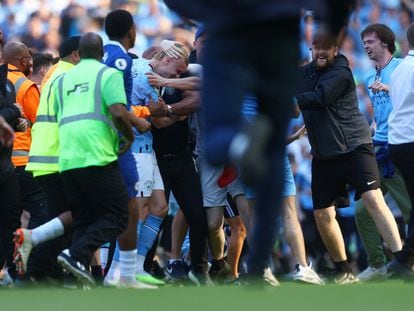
6, 280
269, 278
371, 273
23, 246
134, 284
307, 275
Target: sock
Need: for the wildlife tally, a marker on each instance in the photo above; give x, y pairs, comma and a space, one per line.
47, 231
148, 235
139, 227
104, 252
116, 252
342, 266
140, 265
113, 272
127, 263
217, 264
97, 274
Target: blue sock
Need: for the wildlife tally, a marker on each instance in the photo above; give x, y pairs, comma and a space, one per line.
139, 227
148, 234
116, 253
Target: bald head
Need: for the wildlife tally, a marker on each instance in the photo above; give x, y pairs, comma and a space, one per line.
18, 55
91, 46
13, 51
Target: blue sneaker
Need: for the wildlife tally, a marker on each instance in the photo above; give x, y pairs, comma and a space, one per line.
176, 270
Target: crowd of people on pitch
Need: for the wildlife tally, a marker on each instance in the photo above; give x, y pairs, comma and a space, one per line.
104, 178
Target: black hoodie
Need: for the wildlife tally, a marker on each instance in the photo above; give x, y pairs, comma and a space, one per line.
10, 113
329, 105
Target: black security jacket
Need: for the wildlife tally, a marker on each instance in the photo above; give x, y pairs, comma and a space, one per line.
10, 113
329, 105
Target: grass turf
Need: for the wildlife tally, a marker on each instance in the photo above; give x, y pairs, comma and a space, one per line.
289, 296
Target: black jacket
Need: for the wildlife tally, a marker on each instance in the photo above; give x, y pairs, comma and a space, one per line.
10, 113
329, 105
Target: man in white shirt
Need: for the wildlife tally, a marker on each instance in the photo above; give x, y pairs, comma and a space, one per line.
401, 140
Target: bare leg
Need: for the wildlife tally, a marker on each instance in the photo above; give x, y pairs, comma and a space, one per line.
330, 232
293, 231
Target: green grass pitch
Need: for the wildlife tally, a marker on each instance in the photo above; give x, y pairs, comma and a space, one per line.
390, 296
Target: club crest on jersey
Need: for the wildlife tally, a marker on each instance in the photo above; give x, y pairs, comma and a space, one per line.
121, 64
169, 90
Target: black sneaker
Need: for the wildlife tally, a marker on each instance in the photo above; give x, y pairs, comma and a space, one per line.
220, 274
75, 267
176, 270
397, 270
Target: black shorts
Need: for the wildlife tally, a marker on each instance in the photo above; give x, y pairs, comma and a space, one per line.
331, 177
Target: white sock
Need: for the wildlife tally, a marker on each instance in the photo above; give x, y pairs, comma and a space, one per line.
48, 231
127, 263
140, 264
113, 273
103, 252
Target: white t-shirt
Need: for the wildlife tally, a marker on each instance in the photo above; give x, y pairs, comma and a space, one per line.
401, 118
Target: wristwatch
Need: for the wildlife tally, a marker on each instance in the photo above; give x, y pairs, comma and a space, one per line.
169, 110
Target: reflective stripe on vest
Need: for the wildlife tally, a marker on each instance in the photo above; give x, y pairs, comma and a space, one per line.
46, 118
19, 84
20, 153
44, 159
96, 114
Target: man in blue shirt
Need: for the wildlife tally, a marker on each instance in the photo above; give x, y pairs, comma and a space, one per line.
150, 186
379, 45
120, 28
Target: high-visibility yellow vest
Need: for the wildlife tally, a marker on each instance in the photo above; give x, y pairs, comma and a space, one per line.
44, 150
87, 135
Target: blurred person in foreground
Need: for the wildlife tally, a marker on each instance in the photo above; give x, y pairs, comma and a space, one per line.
231, 69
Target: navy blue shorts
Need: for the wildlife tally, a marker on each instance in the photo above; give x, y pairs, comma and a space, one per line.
129, 172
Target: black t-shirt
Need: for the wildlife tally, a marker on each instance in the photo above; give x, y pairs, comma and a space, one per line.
174, 138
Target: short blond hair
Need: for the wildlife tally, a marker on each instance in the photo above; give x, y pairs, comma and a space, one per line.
185, 56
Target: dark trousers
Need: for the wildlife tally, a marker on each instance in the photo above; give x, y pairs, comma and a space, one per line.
10, 212
32, 197
98, 200
259, 59
42, 262
179, 176
402, 156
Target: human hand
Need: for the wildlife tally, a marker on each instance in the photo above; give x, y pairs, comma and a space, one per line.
158, 108
378, 87
155, 79
22, 125
124, 145
20, 107
299, 133
6, 133
171, 48
141, 125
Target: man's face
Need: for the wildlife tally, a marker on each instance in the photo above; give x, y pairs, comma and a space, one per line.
26, 62
373, 46
171, 68
323, 55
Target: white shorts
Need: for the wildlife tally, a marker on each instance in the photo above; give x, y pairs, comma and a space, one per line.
213, 195
149, 174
